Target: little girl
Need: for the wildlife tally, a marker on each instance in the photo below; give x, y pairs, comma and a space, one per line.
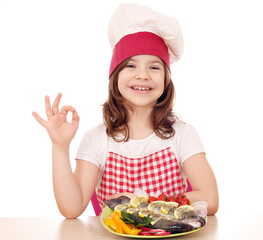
142, 144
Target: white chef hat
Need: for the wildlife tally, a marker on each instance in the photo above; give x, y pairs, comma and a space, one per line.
135, 29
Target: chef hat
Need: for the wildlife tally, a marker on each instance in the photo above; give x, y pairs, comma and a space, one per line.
135, 29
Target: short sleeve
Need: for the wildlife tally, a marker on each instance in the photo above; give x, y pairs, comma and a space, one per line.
93, 145
188, 142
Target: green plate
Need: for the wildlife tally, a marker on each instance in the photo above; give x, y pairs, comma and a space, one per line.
107, 211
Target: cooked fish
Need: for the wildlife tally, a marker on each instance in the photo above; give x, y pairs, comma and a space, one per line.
188, 220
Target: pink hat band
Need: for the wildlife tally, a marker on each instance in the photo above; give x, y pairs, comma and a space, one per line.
137, 44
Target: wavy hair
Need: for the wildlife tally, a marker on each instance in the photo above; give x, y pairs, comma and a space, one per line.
115, 109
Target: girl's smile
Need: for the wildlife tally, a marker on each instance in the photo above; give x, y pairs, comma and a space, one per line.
141, 89
141, 82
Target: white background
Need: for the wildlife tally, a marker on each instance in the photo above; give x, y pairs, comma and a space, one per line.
55, 46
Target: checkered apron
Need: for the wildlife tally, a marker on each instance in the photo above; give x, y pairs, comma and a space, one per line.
158, 172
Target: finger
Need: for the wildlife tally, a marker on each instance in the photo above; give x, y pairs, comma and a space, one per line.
39, 119
56, 102
49, 112
75, 118
67, 108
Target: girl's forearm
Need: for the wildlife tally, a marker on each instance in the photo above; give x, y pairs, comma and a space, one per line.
67, 191
210, 197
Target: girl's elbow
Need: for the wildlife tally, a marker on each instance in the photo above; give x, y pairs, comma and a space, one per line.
212, 210
69, 214
213, 206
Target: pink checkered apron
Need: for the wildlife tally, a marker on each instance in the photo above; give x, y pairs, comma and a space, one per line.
158, 172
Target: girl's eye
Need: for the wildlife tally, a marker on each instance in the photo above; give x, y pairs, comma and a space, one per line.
130, 66
155, 68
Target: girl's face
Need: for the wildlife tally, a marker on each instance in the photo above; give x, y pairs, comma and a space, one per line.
141, 82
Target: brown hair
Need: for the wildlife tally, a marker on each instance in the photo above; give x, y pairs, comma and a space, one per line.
115, 109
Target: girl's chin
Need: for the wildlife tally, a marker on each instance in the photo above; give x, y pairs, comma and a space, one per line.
141, 105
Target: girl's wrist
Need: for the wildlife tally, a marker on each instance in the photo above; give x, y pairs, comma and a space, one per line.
60, 154
60, 148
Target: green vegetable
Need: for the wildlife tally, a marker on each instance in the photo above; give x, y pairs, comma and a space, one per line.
127, 218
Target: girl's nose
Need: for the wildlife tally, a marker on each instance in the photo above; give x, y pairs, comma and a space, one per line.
142, 74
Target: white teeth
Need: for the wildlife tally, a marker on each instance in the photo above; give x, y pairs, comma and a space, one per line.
141, 88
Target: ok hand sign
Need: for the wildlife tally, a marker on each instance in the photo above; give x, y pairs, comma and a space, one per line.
60, 131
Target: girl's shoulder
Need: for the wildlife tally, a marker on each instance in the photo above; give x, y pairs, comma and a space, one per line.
186, 140
184, 131
96, 134
179, 126
93, 145
98, 130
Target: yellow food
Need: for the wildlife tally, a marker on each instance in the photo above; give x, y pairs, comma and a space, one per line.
165, 208
111, 223
182, 209
155, 205
144, 212
114, 221
131, 210
135, 202
120, 208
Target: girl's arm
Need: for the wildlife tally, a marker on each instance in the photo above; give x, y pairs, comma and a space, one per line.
69, 191
73, 191
203, 182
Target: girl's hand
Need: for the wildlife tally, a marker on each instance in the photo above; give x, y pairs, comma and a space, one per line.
60, 131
